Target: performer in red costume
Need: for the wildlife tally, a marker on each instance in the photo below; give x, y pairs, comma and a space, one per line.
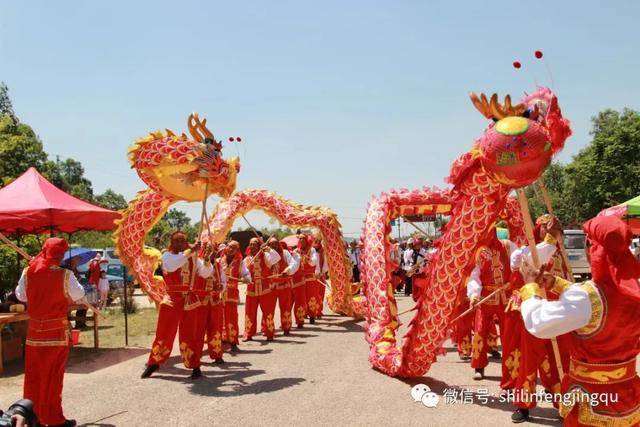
235, 271
307, 259
461, 332
178, 266
490, 273
203, 315
316, 288
283, 271
95, 267
531, 357
48, 290
259, 292
602, 316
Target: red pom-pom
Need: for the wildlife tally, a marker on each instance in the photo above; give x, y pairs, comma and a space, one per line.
516, 64
231, 139
238, 139
538, 54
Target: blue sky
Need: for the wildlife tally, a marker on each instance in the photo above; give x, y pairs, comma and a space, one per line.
335, 100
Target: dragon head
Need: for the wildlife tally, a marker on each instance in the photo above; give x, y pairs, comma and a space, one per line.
519, 143
185, 168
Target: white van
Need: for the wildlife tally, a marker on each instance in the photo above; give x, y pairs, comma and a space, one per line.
574, 243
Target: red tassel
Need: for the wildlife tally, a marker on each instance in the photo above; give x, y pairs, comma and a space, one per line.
538, 54
516, 64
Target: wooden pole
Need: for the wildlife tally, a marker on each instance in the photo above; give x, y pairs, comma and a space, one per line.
563, 251
194, 255
479, 303
417, 228
528, 227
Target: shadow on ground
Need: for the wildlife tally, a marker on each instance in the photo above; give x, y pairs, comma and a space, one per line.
229, 379
84, 360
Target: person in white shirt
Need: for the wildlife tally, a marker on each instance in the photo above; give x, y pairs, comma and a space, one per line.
103, 288
414, 259
601, 316
354, 257
259, 262
282, 273
179, 264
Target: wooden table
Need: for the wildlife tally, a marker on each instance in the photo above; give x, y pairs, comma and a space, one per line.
5, 319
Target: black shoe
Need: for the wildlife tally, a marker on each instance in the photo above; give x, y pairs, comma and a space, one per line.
312, 320
495, 354
148, 370
245, 339
287, 333
479, 374
234, 347
218, 361
67, 423
196, 373
465, 357
269, 338
299, 326
520, 416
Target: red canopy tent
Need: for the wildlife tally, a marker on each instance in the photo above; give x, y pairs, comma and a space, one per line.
32, 205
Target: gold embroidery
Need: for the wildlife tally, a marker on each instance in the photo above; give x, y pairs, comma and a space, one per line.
560, 285
513, 363
477, 345
598, 309
587, 415
530, 290
186, 354
602, 373
66, 281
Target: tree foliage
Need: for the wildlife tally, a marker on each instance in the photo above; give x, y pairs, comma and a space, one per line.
604, 173
6, 106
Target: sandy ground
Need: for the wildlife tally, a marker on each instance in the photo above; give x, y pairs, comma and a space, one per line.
317, 376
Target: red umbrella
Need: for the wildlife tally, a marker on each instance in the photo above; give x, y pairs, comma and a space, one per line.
31, 205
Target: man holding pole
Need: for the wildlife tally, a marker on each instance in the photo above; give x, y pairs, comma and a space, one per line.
490, 275
235, 270
48, 290
179, 265
282, 273
203, 316
535, 356
602, 317
307, 259
259, 262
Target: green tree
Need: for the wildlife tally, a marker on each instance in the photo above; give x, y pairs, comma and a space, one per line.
6, 106
606, 171
111, 200
73, 181
20, 149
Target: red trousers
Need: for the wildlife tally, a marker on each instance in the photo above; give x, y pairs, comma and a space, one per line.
537, 361
43, 377
461, 331
314, 298
482, 328
267, 304
299, 303
323, 288
169, 317
285, 303
230, 329
196, 323
511, 351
